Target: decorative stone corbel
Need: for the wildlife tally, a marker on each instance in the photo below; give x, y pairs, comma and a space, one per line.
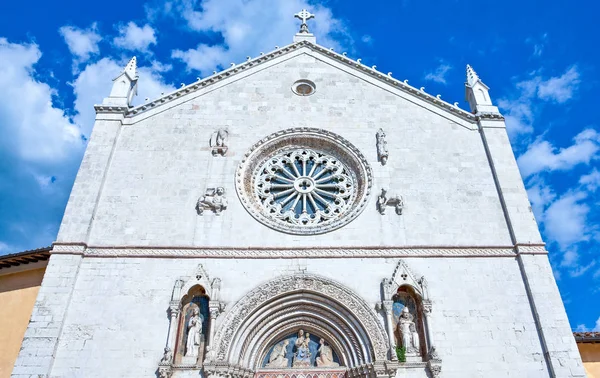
434, 363
214, 199
382, 151
219, 142
165, 366
383, 201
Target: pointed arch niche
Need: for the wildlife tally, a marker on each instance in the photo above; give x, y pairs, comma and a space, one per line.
407, 307
193, 310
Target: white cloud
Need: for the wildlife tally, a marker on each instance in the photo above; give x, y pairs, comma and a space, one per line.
591, 181
520, 109
3, 248
203, 58
518, 116
570, 259
95, 82
32, 127
540, 195
83, 43
367, 39
439, 74
560, 89
134, 38
541, 155
565, 220
248, 27
581, 270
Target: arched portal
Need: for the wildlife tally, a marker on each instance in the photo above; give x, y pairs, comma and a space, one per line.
288, 304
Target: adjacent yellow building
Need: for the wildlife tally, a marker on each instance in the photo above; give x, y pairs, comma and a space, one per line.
20, 279
589, 348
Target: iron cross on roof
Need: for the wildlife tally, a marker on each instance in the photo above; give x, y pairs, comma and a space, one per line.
304, 15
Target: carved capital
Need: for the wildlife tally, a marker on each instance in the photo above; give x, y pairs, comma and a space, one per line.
174, 309
427, 307
387, 306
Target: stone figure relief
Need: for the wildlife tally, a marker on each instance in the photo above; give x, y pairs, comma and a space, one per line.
277, 358
194, 330
325, 358
384, 200
302, 355
167, 357
382, 151
219, 142
214, 199
408, 332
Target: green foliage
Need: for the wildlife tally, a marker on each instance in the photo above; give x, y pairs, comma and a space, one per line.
401, 353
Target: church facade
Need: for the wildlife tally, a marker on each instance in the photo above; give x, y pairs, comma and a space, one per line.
298, 215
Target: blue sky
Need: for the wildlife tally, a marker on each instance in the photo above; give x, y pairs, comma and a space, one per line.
58, 58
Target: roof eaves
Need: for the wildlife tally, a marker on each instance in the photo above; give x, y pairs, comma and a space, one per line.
25, 257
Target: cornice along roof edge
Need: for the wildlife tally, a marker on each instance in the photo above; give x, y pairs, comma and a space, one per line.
234, 69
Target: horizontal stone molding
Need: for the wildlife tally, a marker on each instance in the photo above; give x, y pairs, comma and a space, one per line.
307, 252
69, 249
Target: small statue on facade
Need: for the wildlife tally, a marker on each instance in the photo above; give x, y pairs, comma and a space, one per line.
408, 332
325, 358
213, 199
382, 201
218, 142
167, 357
193, 334
277, 358
382, 151
302, 355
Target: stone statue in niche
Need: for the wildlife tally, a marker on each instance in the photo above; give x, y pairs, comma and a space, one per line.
277, 358
383, 201
214, 199
302, 355
408, 332
218, 142
382, 151
325, 358
194, 330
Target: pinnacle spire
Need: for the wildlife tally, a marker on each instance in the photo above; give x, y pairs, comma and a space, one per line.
131, 69
472, 76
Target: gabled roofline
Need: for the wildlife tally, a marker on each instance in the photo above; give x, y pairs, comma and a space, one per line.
235, 69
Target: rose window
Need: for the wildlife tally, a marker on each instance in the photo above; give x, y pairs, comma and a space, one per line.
303, 181
304, 187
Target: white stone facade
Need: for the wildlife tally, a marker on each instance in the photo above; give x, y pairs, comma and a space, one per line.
131, 231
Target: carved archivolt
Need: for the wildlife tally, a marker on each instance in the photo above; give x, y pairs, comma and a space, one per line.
302, 301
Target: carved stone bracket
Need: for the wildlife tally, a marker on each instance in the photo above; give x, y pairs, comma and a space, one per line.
165, 371
219, 142
382, 151
165, 366
435, 368
384, 200
214, 199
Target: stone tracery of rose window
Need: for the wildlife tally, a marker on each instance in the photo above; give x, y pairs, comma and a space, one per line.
304, 187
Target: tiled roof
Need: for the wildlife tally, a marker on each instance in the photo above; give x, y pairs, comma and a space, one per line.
25, 257
587, 337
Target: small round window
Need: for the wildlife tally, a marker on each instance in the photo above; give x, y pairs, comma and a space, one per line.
304, 87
